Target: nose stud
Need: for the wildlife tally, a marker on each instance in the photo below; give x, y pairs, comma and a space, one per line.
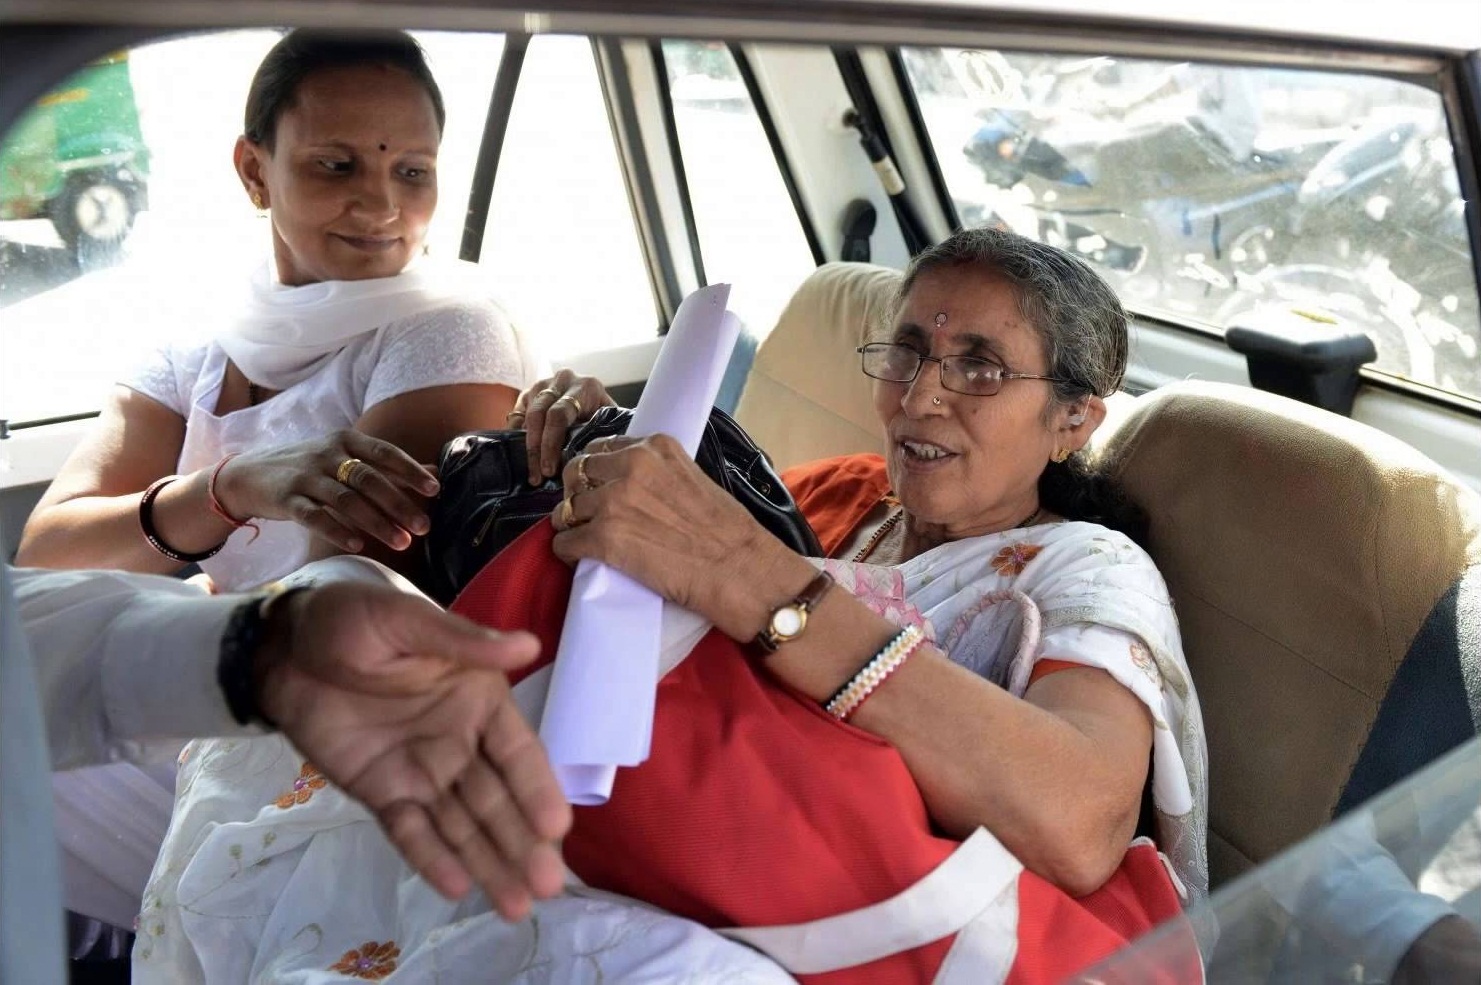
936, 401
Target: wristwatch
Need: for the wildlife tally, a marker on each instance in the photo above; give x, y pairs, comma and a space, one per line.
788, 621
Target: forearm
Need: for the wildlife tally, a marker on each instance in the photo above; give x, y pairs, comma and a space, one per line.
104, 531
111, 681
980, 756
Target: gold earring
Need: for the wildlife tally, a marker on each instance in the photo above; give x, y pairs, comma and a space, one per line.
257, 202
1061, 455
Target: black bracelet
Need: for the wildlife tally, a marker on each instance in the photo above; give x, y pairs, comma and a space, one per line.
240, 644
146, 524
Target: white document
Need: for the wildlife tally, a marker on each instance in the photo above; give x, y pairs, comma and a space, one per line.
599, 710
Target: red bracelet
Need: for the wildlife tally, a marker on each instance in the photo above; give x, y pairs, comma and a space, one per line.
220, 510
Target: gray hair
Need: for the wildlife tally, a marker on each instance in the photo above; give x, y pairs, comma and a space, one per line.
1076, 313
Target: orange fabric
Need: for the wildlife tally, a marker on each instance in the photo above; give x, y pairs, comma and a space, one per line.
836, 494
1048, 666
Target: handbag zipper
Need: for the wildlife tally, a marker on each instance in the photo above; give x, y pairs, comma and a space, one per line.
484, 530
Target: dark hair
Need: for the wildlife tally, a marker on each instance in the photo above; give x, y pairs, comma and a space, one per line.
1083, 327
300, 53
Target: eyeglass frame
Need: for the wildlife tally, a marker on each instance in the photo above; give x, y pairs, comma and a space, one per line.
922, 358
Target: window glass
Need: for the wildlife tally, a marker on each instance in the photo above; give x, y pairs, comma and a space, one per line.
1208, 192
561, 244
749, 232
118, 187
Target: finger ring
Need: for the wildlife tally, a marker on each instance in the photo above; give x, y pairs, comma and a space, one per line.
509, 417
346, 471
568, 514
576, 404
550, 390
581, 475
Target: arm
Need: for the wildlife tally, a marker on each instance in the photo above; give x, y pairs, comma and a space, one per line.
420, 423
402, 705
1057, 777
89, 516
123, 659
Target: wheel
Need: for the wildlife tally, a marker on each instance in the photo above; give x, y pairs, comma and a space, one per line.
93, 216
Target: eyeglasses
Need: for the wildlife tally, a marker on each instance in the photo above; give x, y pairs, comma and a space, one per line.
975, 377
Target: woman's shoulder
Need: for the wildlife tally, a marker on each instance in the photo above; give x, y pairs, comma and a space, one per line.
458, 340
1063, 563
1084, 545
173, 370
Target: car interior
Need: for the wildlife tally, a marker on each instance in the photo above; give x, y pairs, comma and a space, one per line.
1305, 441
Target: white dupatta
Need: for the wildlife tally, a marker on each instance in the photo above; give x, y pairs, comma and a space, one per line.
280, 335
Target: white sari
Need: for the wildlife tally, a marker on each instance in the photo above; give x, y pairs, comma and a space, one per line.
271, 875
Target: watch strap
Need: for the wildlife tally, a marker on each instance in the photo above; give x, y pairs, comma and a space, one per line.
236, 665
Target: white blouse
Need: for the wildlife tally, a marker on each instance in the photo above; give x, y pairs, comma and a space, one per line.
461, 342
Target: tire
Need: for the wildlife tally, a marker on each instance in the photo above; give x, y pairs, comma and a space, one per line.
93, 216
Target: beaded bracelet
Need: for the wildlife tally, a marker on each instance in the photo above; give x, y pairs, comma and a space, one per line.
219, 510
146, 525
847, 700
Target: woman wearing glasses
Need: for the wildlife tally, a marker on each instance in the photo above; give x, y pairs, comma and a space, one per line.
989, 384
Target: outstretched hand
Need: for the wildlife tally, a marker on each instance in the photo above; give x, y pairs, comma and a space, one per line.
406, 708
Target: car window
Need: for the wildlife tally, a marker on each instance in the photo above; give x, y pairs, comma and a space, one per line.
118, 188
1207, 192
1347, 904
749, 232
561, 243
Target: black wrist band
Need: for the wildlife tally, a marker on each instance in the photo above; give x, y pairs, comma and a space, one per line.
240, 644
146, 524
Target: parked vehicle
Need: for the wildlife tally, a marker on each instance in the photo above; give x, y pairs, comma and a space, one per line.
78, 158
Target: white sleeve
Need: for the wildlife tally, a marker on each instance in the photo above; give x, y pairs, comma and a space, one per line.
158, 376
122, 661
465, 342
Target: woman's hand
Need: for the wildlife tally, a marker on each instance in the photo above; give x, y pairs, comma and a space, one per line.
342, 487
548, 410
643, 506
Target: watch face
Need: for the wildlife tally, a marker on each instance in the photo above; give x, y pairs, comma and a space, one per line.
787, 622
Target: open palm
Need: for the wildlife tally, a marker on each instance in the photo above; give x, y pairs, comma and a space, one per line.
407, 709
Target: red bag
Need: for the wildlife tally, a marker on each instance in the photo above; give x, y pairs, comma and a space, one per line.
757, 810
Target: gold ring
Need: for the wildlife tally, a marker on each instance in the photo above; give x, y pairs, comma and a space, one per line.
574, 403
581, 475
509, 417
568, 514
346, 471
551, 390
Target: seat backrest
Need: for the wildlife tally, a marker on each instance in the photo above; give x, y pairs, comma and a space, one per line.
805, 397
1327, 579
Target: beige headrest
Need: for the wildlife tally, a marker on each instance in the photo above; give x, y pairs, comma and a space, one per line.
805, 397
1303, 551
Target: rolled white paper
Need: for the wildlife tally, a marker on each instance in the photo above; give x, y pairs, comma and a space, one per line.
604, 682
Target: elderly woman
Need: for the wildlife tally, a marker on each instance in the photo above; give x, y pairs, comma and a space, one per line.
989, 384
984, 679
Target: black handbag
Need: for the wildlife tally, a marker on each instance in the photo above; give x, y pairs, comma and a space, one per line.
486, 499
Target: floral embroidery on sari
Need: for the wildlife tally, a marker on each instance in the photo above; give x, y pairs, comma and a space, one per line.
372, 960
1012, 559
309, 779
